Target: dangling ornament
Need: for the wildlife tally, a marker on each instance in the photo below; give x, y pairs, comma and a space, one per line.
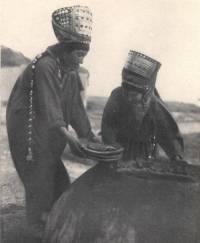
31, 116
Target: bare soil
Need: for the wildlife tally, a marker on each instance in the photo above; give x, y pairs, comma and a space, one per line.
12, 217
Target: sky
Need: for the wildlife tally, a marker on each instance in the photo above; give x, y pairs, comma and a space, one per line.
167, 30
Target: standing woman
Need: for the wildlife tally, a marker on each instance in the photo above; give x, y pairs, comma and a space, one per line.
44, 101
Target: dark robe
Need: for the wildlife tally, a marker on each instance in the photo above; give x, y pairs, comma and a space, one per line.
56, 103
157, 127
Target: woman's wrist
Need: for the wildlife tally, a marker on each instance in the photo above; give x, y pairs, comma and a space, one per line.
65, 132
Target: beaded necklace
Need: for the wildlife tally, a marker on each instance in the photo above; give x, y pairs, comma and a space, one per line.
31, 113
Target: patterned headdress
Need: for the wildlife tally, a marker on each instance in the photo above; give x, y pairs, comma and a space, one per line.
73, 24
141, 64
143, 67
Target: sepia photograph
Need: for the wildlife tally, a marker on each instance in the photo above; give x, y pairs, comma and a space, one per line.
100, 121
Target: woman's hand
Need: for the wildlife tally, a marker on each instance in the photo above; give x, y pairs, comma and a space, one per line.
75, 146
179, 164
96, 139
74, 143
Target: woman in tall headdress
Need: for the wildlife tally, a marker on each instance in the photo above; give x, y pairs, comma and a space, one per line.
136, 118
44, 101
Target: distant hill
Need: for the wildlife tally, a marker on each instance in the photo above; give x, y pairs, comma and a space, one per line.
11, 58
175, 106
98, 103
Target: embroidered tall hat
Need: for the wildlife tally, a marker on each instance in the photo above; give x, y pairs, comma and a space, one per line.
143, 67
73, 24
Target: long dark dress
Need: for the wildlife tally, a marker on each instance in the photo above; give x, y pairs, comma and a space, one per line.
57, 103
158, 127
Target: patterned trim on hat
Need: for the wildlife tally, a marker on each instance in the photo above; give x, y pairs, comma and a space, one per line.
72, 23
66, 35
140, 88
141, 64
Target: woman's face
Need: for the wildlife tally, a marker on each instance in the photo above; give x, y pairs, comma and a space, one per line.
74, 58
77, 56
132, 96
136, 90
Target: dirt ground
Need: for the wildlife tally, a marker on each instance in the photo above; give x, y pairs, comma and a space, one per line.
12, 217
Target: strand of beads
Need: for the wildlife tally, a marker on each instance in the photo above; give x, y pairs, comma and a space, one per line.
153, 147
29, 157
